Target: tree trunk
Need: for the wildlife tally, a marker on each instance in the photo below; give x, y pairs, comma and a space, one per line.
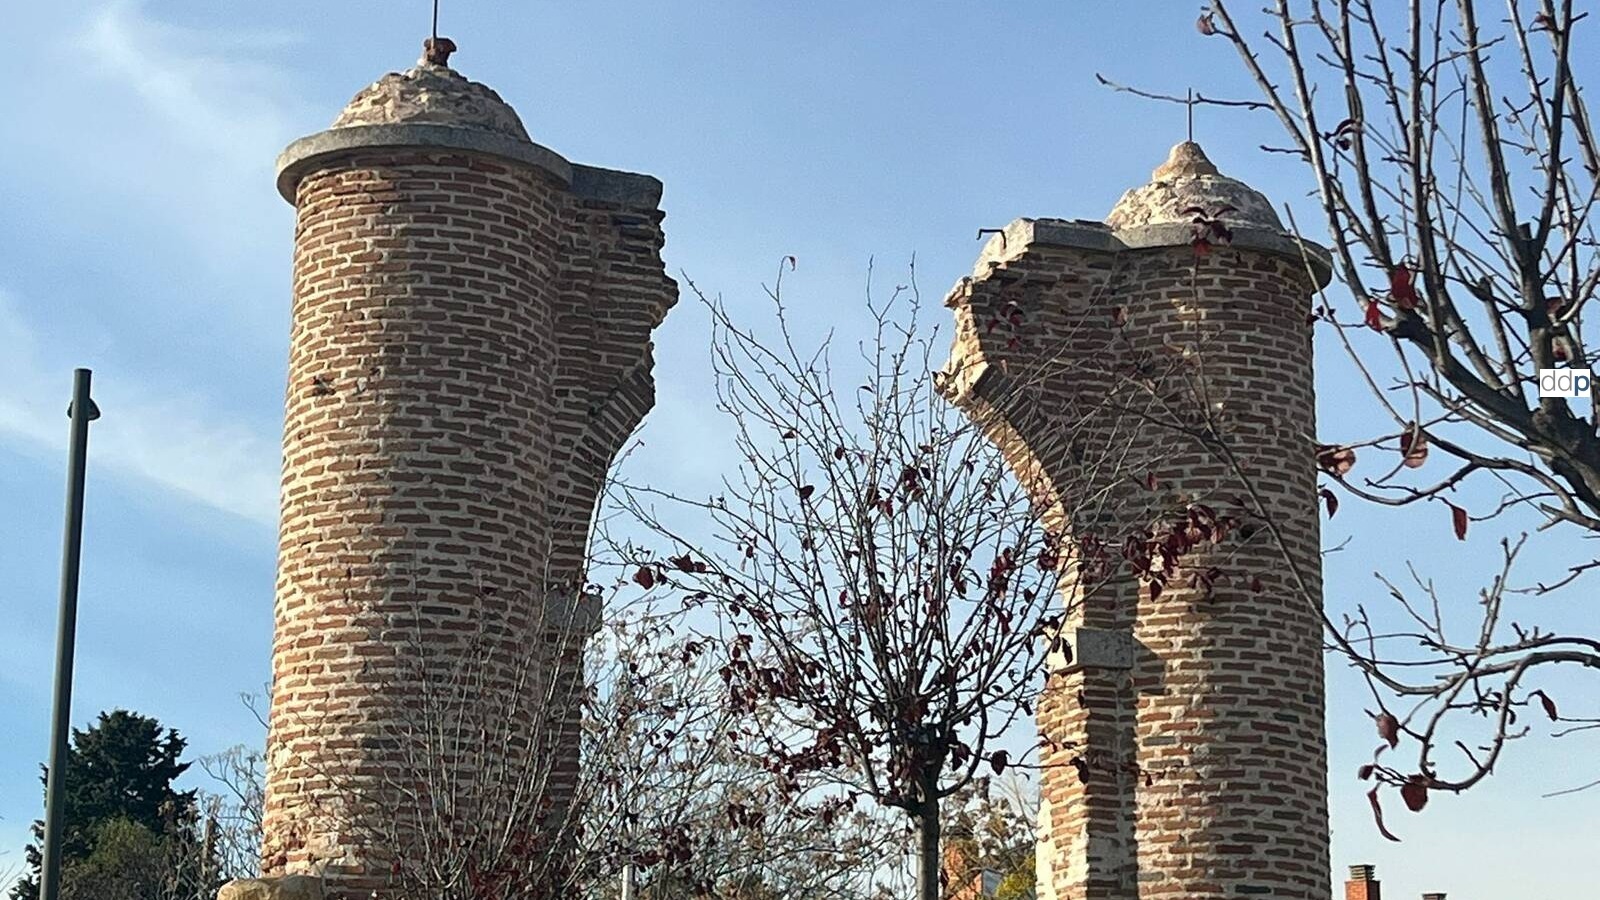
928, 847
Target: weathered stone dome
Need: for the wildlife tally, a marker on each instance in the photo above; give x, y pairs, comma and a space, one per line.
434, 94
429, 106
1189, 179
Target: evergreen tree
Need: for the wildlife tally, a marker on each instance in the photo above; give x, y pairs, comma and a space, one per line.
120, 770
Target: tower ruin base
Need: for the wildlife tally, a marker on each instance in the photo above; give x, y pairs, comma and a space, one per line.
289, 887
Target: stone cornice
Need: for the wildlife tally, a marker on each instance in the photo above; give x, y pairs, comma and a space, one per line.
629, 189
308, 153
1083, 234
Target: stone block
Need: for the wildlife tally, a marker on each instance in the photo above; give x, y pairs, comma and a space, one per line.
290, 887
1094, 648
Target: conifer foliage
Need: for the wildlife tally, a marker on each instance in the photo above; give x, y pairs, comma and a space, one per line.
128, 833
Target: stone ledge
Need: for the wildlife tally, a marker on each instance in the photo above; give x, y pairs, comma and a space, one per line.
628, 189
1013, 240
289, 887
308, 153
580, 618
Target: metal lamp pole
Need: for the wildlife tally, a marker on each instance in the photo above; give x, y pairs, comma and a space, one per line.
82, 412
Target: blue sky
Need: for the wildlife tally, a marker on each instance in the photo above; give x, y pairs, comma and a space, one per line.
142, 237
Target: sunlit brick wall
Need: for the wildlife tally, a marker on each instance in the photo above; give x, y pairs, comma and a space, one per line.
1201, 771
470, 349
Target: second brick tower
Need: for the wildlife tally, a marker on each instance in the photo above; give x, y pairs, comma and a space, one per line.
1184, 754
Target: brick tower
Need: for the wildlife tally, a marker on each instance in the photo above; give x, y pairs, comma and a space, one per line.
470, 349
1184, 748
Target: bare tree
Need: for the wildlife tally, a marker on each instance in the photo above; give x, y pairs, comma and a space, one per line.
232, 814
1455, 164
519, 784
881, 586
620, 767
695, 815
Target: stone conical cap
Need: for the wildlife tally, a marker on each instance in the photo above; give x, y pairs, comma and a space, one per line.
432, 93
1189, 179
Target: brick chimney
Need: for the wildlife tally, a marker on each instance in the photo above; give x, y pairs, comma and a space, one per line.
1363, 885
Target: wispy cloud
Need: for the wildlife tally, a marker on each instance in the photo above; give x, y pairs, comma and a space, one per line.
202, 88
154, 143
170, 129
168, 438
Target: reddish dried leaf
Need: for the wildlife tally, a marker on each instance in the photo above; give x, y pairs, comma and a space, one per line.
1082, 766
1458, 519
806, 490
1255, 584
1415, 793
1389, 729
1335, 460
1330, 500
838, 453
1401, 290
1202, 247
1150, 481
793, 263
1119, 316
1374, 316
1365, 772
1206, 25
1414, 446
1549, 705
644, 578
998, 761
1377, 815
